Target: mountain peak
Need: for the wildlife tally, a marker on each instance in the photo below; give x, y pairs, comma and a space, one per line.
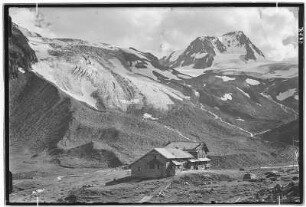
202, 51
235, 33
206, 37
237, 41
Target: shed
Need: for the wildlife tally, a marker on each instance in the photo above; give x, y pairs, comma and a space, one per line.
249, 176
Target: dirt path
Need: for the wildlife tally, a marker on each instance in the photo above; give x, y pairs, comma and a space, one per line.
158, 191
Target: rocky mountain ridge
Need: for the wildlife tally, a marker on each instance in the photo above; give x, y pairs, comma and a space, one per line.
82, 101
201, 53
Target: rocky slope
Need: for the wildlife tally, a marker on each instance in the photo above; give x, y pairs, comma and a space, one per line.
96, 105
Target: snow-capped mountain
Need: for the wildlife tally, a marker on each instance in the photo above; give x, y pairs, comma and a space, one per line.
206, 51
200, 53
73, 98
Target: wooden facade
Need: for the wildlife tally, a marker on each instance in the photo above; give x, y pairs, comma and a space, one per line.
198, 150
156, 164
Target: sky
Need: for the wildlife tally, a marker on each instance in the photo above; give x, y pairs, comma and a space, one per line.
163, 30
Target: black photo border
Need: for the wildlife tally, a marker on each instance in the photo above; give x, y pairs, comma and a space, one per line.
299, 5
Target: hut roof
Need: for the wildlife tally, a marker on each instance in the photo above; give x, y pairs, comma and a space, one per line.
172, 153
168, 153
188, 146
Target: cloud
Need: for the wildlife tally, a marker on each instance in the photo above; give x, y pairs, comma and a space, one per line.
32, 20
277, 25
266, 27
161, 30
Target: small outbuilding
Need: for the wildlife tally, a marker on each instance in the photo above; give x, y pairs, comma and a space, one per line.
249, 176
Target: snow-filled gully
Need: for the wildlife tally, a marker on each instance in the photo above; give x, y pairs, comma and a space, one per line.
176, 131
221, 120
285, 108
232, 125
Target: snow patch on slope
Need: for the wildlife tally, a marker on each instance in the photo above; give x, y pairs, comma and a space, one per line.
188, 70
183, 76
199, 55
225, 78
148, 72
149, 116
227, 96
196, 93
246, 94
21, 70
239, 119
252, 82
286, 94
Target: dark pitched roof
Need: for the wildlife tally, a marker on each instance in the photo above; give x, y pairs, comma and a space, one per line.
183, 145
188, 146
168, 153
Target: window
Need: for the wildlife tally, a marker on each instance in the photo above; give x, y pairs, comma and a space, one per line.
155, 157
138, 168
157, 166
152, 166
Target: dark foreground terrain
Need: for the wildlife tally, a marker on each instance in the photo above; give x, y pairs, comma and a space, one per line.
54, 184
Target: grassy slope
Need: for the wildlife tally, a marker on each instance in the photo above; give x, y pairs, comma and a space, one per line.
40, 118
258, 112
38, 115
284, 133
